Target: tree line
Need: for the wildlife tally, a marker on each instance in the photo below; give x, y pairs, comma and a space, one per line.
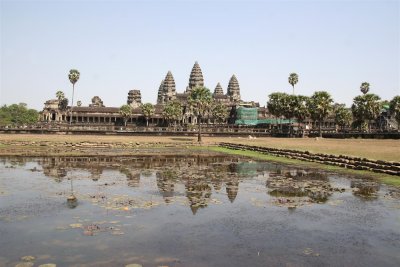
365, 108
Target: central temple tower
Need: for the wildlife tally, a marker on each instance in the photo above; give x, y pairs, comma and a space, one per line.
196, 78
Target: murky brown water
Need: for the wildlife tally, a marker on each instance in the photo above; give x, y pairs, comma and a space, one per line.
192, 211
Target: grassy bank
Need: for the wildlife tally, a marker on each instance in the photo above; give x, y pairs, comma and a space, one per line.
384, 178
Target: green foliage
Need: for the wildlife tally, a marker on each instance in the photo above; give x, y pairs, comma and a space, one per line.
60, 95
275, 103
343, 116
148, 111
126, 112
366, 107
200, 101
301, 110
394, 107
364, 88
73, 76
219, 112
173, 112
17, 114
319, 106
200, 104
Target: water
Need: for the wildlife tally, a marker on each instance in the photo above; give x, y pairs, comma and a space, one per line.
192, 211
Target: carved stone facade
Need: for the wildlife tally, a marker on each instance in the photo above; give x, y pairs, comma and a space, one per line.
196, 78
96, 102
134, 98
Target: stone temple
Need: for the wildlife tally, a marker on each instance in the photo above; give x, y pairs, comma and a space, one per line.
98, 113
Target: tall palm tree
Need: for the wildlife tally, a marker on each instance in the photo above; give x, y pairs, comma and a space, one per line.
148, 111
200, 103
364, 88
73, 77
293, 79
366, 108
126, 112
219, 112
319, 105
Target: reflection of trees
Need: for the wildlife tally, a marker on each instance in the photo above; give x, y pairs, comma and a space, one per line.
165, 184
297, 183
95, 173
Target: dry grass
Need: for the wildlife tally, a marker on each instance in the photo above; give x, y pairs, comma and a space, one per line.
367, 148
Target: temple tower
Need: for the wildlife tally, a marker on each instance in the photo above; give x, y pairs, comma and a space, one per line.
196, 78
168, 88
134, 98
218, 90
160, 93
233, 89
96, 102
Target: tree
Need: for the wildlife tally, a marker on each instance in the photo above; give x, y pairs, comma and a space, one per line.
172, 112
17, 114
365, 108
289, 106
343, 116
148, 111
219, 112
394, 107
73, 77
319, 105
293, 79
364, 88
62, 101
275, 104
60, 95
301, 111
200, 104
126, 113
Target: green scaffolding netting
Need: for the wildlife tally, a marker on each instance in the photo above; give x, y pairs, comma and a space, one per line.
249, 116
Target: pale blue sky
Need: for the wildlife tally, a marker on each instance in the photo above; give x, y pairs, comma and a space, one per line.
122, 45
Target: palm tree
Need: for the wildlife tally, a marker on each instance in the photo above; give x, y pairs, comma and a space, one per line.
172, 112
126, 112
60, 95
293, 79
73, 77
394, 108
364, 87
319, 105
275, 104
289, 103
148, 111
200, 103
365, 108
343, 115
301, 111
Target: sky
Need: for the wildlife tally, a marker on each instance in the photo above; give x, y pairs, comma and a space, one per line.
122, 45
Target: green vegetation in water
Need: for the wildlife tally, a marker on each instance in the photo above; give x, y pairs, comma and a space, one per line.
384, 178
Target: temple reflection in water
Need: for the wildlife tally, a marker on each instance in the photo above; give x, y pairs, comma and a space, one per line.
195, 178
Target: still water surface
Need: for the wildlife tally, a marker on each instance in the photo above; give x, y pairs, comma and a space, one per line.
192, 211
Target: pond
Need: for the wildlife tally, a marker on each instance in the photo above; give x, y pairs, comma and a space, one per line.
191, 210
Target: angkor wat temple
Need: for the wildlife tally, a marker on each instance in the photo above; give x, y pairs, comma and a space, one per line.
98, 113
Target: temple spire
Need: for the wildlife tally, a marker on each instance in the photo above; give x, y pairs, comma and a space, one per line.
218, 90
233, 89
169, 88
196, 77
